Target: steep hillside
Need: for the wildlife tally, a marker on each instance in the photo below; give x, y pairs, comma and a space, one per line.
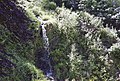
65, 40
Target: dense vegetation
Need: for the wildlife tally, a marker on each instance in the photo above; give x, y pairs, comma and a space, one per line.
84, 40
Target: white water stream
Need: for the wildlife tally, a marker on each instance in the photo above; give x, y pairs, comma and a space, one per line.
46, 47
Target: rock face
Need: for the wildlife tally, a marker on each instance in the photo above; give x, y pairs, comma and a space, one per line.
41, 61
14, 19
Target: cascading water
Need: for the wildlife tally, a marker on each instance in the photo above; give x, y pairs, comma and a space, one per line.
46, 57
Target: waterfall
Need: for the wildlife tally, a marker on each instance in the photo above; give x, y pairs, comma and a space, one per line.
46, 57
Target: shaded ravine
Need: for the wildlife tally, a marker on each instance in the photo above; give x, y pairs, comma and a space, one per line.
47, 69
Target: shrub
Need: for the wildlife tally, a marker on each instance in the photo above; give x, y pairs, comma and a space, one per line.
52, 6
48, 5
28, 72
108, 37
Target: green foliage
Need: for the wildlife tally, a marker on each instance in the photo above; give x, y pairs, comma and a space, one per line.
115, 53
108, 36
25, 72
23, 52
24, 58
89, 19
67, 20
28, 72
48, 5
64, 35
80, 47
52, 6
60, 59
